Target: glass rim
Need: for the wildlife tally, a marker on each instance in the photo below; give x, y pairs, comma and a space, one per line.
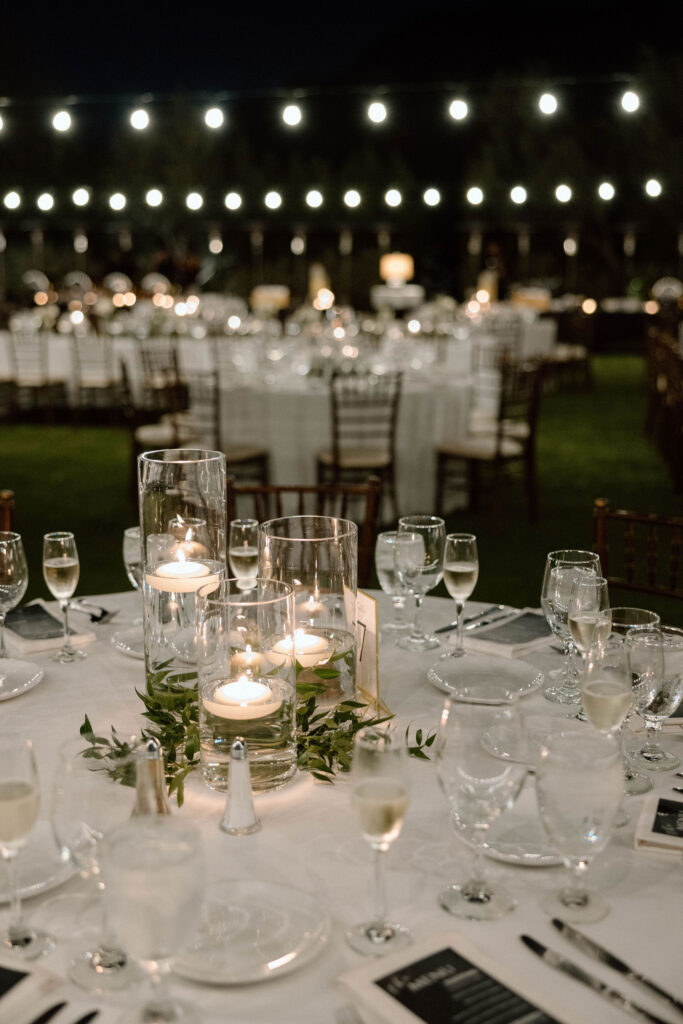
7, 536
570, 552
349, 529
421, 520
244, 522
181, 456
237, 596
58, 535
461, 536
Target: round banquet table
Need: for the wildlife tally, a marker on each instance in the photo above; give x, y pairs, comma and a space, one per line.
310, 839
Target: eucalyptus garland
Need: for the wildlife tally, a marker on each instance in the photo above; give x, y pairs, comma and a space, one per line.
324, 735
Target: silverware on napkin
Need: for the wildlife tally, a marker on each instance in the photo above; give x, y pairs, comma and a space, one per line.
95, 611
474, 618
561, 963
593, 949
48, 1014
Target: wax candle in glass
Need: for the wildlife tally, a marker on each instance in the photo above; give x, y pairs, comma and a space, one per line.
243, 550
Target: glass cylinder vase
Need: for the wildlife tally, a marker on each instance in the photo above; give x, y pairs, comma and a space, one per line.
318, 557
183, 546
247, 680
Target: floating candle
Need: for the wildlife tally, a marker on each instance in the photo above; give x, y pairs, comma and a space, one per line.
181, 577
309, 649
243, 698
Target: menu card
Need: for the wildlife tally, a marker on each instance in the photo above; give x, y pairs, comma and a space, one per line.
367, 649
445, 979
660, 825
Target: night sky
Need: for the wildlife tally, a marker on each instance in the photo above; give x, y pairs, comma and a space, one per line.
121, 48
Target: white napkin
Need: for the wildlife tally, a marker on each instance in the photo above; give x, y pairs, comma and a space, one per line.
510, 637
35, 639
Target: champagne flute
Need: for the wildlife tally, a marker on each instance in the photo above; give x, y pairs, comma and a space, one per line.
19, 805
13, 582
131, 640
243, 551
389, 581
460, 574
419, 566
479, 788
561, 569
656, 657
154, 886
380, 795
588, 612
61, 570
579, 788
92, 795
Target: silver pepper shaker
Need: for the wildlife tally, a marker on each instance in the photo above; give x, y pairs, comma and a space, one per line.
240, 817
151, 796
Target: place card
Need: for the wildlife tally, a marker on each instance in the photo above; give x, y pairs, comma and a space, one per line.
525, 631
32, 629
660, 825
442, 979
367, 649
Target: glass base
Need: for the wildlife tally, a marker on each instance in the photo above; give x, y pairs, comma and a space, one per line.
395, 628
172, 1012
130, 641
477, 900
654, 759
104, 970
378, 938
427, 642
559, 692
622, 818
636, 785
575, 906
68, 654
454, 652
29, 944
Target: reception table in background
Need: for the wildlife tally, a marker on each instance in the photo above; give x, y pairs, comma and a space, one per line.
310, 839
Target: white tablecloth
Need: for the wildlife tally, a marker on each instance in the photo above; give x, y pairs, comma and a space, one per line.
310, 838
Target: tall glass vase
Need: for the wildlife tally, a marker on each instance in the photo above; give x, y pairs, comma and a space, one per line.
183, 549
318, 557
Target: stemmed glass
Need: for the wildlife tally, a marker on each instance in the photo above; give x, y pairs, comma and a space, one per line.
419, 566
131, 641
380, 796
479, 788
561, 569
243, 550
13, 583
88, 802
61, 570
460, 574
588, 612
389, 581
153, 892
656, 658
579, 788
624, 619
19, 805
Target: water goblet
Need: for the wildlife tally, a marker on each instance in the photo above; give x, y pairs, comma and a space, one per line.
153, 871
61, 570
419, 566
624, 619
19, 805
380, 796
656, 659
94, 793
389, 581
561, 569
579, 788
13, 583
131, 640
243, 551
460, 574
479, 788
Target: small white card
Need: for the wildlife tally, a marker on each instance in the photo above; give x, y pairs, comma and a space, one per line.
367, 649
660, 825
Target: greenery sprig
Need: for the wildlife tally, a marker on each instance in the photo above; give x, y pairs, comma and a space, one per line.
324, 735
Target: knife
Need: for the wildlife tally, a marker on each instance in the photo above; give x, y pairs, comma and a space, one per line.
591, 948
549, 956
472, 618
48, 1014
87, 1018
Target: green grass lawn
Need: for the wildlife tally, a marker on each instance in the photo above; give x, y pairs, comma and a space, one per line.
591, 444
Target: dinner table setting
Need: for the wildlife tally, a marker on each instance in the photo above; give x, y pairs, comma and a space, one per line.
246, 790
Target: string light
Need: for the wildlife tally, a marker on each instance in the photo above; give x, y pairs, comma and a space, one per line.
291, 115
563, 193
352, 198
194, 201
518, 195
458, 110
214, 118
653, 188
431, 196
377, 112
154, 197
80, 197
630, 101
233, 200
393, 197
139, 119
547, 104
273, 200
314, 199
475, 195
117, 201
61, 121
606, 190
12, 200
45, 201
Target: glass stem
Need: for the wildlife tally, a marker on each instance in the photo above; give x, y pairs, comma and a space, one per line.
160, 1004
459, 608
3, 649
399, 603
16, 929
417, 631
65, 612
577, 882
379, 898
652, 748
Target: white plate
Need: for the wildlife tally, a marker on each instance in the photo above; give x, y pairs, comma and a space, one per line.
483, 678
518, 838
130, 641
503, 742
17, 677
253, 931
39, 865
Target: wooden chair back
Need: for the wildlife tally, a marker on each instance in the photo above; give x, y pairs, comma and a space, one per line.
518, 407
364, 412
359, 502
6, 510
639, 551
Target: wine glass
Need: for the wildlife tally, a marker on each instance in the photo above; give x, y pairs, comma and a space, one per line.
19, 805
243, 551
380, 795
13, 583
479, 788
579, 788
94, 793
561, 569
419, 566
61, 570
389, 581
460, 574
131, 640
154, 882
656, 657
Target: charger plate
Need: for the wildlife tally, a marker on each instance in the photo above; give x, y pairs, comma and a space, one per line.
130, 642
518, 838
253, 931
483, 678
17, 677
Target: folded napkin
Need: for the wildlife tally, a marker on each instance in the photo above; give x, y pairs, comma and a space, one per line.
660, 825
32, 629
28, 990
511, 637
